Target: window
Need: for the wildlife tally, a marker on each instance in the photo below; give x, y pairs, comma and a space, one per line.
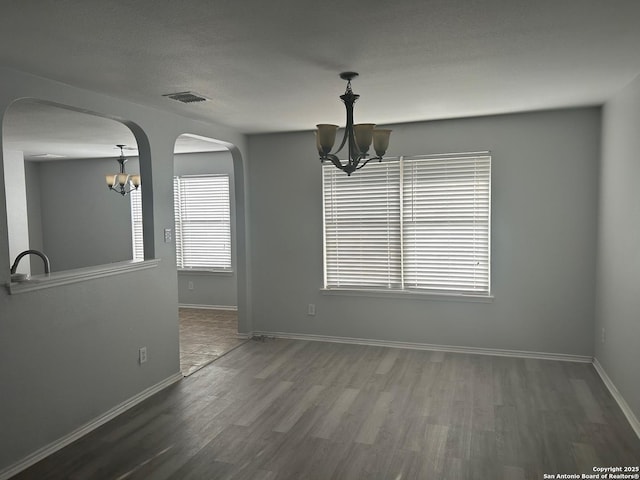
362, 226
203, 223
412, 224
136, 224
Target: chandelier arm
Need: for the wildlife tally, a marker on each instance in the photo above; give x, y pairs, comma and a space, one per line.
335, 160
367, 161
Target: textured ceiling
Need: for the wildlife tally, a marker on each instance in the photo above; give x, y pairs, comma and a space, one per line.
273, 66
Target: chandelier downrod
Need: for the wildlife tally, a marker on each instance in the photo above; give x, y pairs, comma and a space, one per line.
357, 137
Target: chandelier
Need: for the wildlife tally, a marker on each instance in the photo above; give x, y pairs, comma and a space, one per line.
122, 182
358, 137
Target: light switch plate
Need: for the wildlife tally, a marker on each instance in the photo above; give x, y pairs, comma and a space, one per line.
142, 355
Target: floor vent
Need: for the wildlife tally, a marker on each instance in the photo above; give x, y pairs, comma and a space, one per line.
186, 97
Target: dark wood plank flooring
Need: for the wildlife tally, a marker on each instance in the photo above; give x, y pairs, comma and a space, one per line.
284, 409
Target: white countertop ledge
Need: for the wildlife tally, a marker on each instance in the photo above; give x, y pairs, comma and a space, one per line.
66, 277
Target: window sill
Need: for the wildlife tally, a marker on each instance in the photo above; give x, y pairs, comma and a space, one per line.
444, 297
204, 271
66, 277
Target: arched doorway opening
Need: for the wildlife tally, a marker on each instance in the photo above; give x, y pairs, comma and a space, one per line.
206, 250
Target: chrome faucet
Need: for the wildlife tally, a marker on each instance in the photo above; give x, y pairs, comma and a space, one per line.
45, 259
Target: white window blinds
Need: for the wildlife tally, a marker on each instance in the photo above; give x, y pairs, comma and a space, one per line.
417, 223
446, 205
203, 223
135, 197
362, 226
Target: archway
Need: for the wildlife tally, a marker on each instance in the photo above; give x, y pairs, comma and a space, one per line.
206, 250
55, 162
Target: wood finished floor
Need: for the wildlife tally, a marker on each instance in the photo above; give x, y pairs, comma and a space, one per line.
205, 335
286, 409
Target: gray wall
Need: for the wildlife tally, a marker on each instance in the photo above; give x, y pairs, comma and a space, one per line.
34, 213
212, 289
83, 223
544, 199
618, 308
66, 354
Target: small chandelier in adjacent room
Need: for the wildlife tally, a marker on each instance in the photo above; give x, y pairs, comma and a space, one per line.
122, 182
358, 137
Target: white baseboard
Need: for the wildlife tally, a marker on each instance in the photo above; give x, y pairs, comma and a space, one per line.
426, 346
624, 406
209, 307
53, 447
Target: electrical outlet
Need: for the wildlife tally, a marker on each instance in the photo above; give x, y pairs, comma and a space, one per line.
190, 285
142, 355
604, 336
167, 235
311, 310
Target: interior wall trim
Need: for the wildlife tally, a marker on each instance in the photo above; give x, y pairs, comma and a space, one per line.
233, 308
62, 442
427, 346
622, 403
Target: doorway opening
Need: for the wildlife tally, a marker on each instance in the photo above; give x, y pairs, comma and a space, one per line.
205, 238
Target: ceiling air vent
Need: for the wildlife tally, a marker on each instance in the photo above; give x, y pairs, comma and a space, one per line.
186, 97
